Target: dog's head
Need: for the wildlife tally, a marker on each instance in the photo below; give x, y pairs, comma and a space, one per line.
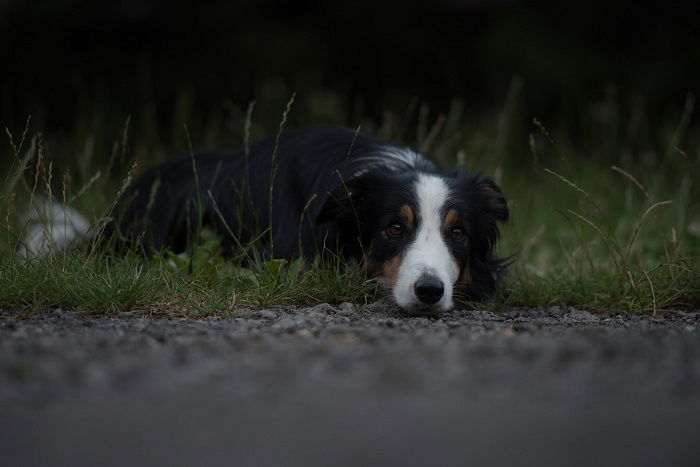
422, 235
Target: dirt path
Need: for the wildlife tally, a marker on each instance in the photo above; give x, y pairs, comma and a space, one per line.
338, 386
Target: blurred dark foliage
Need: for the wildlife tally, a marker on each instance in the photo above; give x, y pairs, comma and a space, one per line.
66, 58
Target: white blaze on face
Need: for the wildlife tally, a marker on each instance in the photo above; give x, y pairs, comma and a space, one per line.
428, 254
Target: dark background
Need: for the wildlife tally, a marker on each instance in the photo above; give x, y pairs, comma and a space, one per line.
68, 59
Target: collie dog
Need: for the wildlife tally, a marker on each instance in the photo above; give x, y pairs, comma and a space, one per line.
424, 233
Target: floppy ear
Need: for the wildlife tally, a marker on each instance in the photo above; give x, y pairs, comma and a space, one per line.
491, 198
487, 207
346, 199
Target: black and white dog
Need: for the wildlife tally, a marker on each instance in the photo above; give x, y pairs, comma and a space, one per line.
419, 230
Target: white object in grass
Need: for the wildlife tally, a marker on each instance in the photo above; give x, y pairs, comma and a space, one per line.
51, 227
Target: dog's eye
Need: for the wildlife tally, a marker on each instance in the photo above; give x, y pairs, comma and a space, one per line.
395, 229
457, 234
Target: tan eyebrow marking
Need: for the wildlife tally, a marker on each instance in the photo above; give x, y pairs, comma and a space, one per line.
406, 215
450, 220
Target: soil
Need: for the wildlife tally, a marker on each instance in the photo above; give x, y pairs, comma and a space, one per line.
351, 386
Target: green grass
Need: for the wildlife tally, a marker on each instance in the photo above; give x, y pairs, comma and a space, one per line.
607, 220
101, 285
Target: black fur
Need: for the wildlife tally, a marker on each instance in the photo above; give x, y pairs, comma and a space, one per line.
334, 189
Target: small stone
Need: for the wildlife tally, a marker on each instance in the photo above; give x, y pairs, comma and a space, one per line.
58, 313
267, 314
579, 317
657, 319
288, 324
322, 308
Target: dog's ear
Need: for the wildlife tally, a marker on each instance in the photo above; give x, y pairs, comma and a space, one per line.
346, 199
487, 206
491, 198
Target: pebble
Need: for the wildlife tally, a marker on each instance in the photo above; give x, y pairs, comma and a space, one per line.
576, 316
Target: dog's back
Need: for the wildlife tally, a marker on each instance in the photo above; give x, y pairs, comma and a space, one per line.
230, 191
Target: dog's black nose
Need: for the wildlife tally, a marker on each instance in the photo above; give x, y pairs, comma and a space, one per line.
429, 289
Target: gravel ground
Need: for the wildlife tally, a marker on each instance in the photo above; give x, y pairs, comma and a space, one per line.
346, 386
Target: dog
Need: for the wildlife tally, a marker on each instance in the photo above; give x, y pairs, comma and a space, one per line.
424, 233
